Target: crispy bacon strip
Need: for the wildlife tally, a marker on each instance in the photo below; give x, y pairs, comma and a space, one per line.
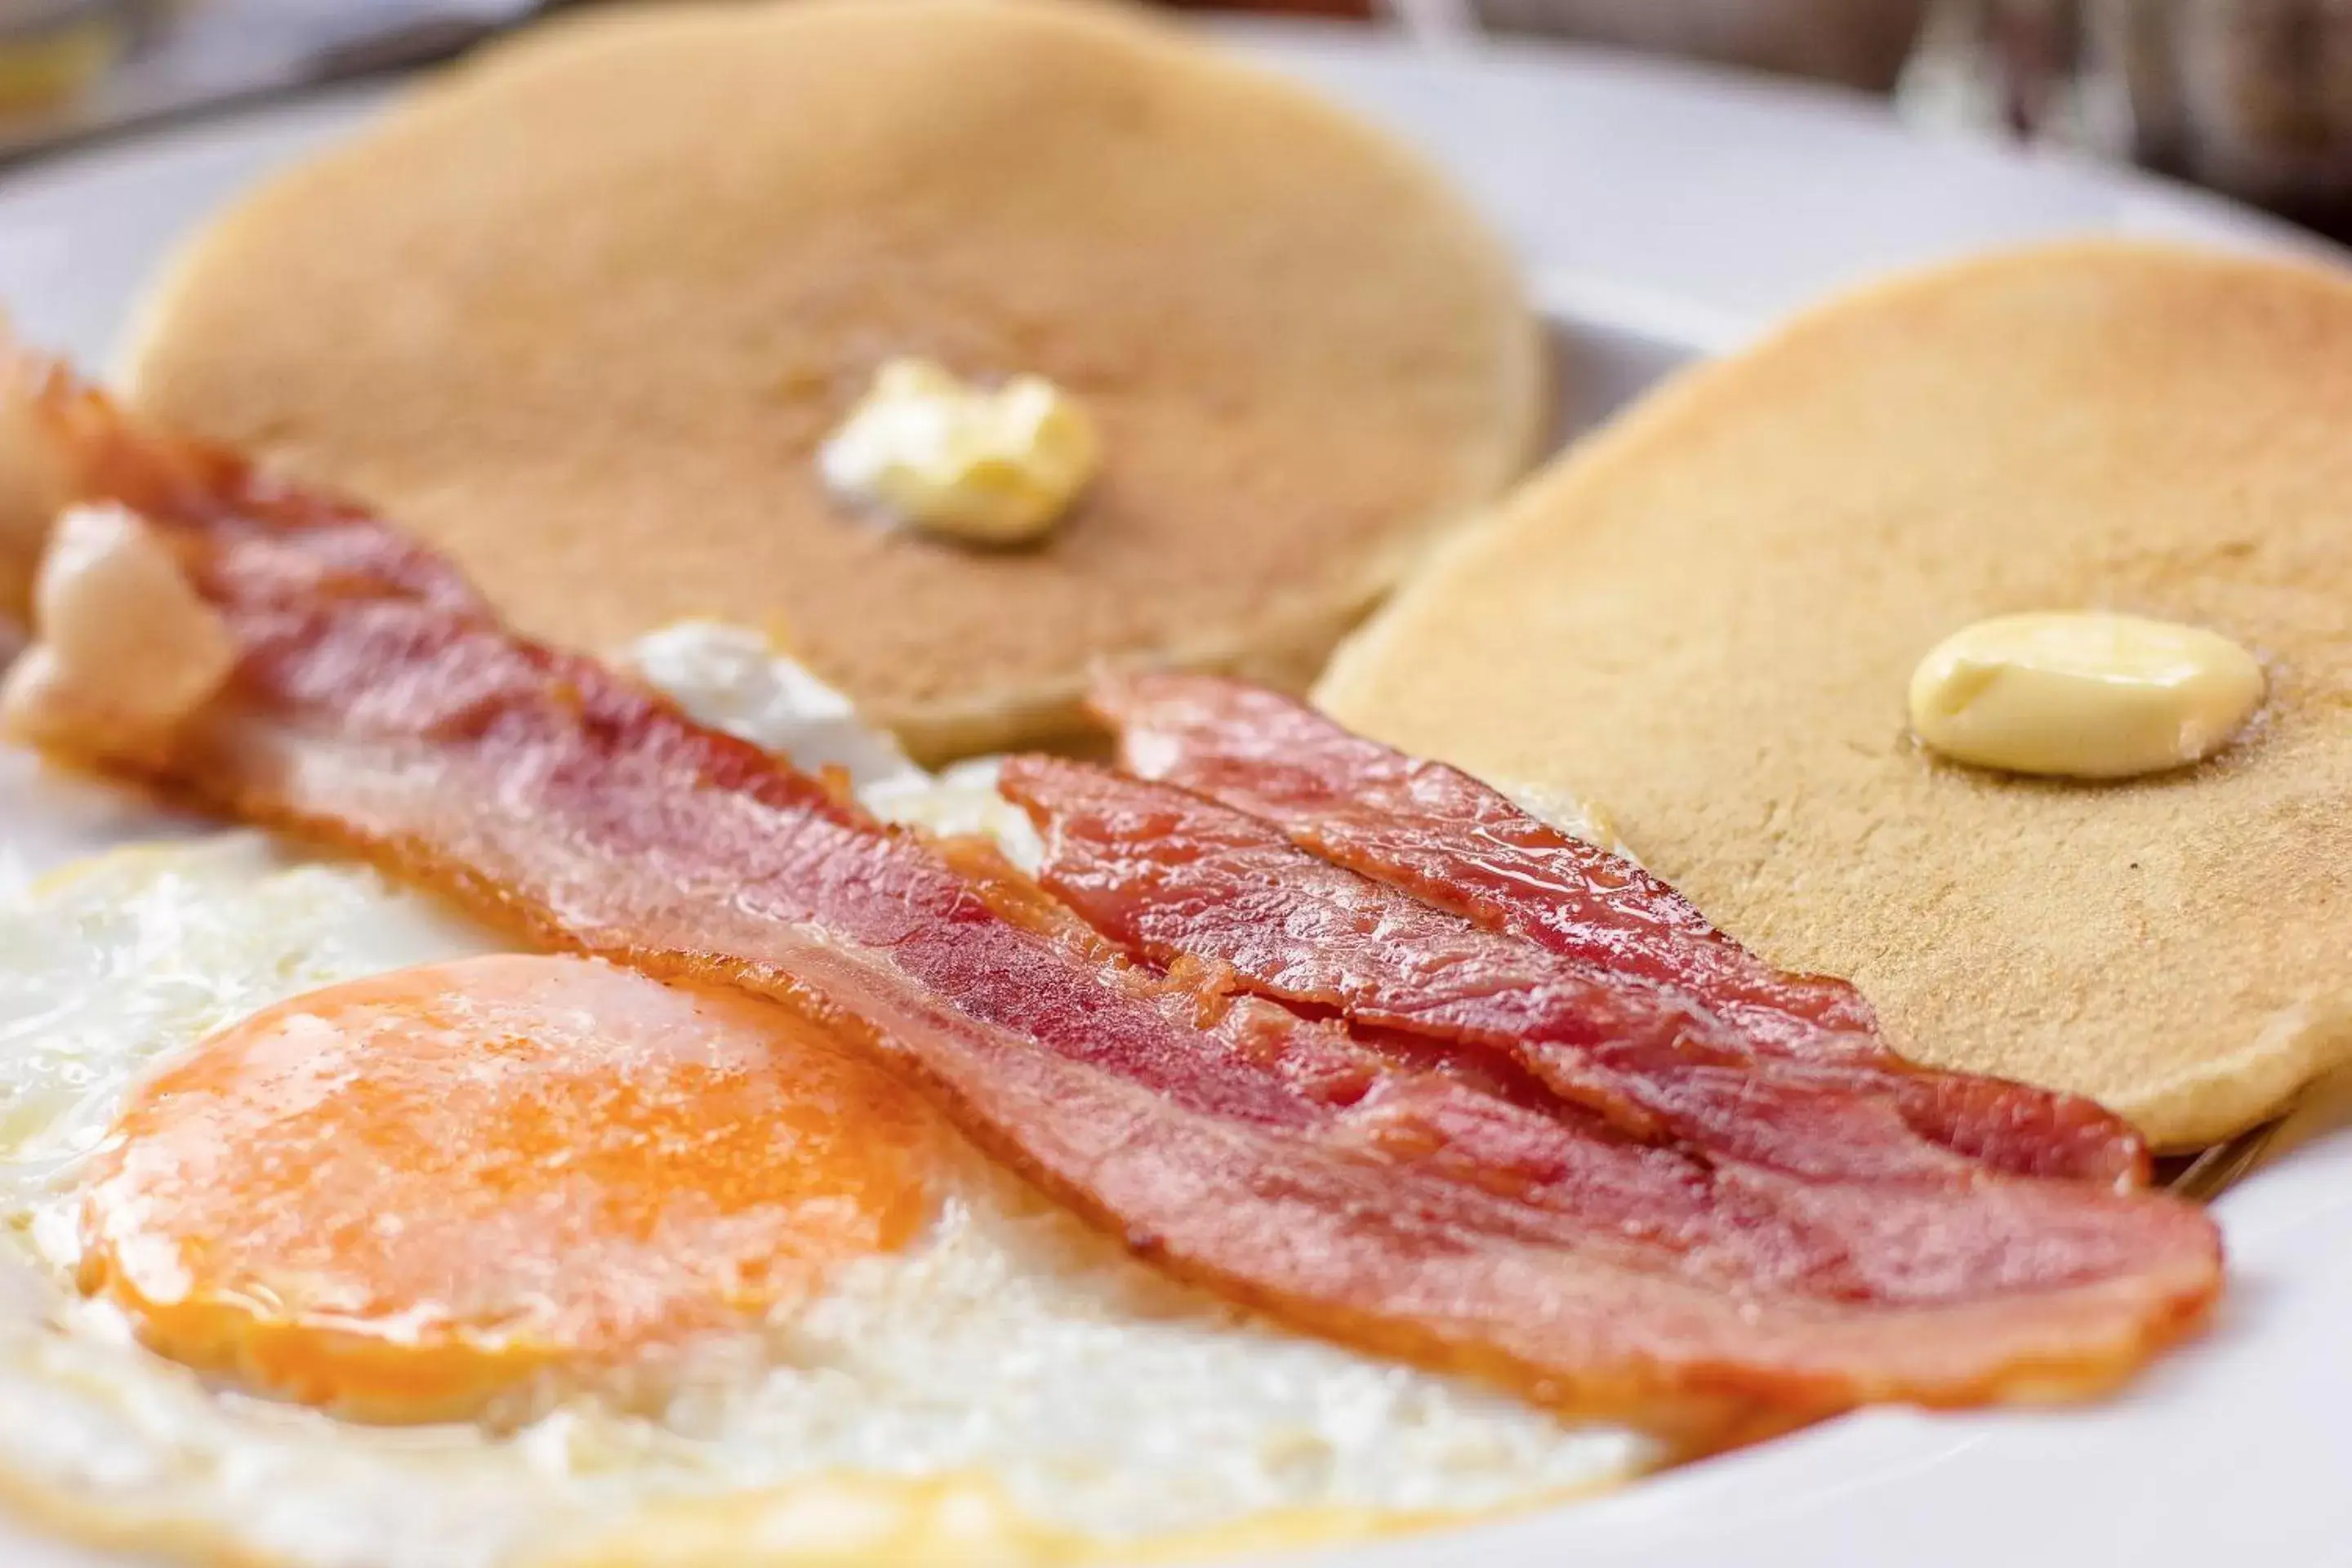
378, 704
1458, 845
1869, 1242
1172, 875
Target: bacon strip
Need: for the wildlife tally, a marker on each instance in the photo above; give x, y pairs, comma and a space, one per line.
378, 705
1767, 1147
1458, 845
1172, 875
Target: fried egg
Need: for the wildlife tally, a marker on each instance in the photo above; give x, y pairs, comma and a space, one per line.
339, 1232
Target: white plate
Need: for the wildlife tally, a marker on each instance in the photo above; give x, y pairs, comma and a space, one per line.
1660, 213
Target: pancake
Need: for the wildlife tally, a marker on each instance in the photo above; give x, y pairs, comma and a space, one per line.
582, 313
1704, 620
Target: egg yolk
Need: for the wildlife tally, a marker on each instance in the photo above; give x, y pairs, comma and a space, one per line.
401, 1197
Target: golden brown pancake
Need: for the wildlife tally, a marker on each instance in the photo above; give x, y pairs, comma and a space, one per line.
584, 312
1704, 620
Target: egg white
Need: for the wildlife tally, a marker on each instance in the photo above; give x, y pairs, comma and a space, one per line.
1009, 1343
1010, 1374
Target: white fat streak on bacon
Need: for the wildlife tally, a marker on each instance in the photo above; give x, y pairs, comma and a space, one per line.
128, 650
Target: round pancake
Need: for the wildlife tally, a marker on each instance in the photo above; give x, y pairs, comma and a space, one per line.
584, 313
1704, 620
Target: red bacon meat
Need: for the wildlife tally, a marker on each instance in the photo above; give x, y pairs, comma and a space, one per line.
1458, 845
1174, 875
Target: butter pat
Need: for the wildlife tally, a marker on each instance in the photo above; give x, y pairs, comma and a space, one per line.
2087, 696
986, 465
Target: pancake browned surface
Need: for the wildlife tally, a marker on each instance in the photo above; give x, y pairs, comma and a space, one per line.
584, 313
1705, 619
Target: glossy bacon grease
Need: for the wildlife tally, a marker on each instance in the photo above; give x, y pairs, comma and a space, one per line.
1389, 1190
1440, 836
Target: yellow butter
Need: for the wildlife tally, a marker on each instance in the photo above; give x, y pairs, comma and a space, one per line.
2084, 694
988, 465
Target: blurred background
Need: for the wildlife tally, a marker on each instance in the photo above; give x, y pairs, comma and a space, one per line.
2252, 98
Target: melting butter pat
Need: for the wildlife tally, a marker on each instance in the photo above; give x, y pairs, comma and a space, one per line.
2088, 696
989, 465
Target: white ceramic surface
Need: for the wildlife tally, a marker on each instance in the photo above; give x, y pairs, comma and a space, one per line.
1660, 213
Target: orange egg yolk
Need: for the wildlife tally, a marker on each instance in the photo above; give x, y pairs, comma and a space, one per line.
402, 1197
